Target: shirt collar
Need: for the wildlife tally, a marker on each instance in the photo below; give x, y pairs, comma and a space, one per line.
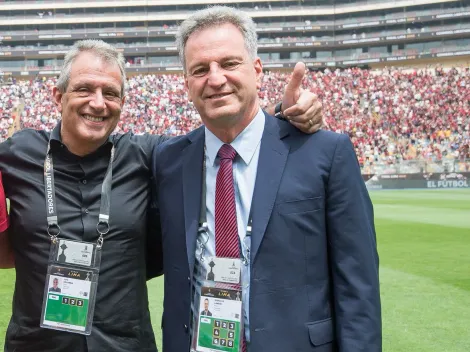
55, 134
245, 143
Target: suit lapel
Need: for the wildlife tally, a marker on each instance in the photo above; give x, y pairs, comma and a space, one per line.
272, 160
192, 187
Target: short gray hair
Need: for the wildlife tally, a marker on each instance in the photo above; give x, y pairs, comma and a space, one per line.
105, 51
216, 16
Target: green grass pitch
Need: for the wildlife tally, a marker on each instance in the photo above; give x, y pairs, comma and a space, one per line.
424, 246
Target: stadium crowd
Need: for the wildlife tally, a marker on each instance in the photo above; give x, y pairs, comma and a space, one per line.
392, 115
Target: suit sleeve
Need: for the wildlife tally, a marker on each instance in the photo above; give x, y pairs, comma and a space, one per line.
154, 250
353, 254
3, 208
152, 141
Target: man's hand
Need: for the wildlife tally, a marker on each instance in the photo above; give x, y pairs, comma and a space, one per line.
301, 107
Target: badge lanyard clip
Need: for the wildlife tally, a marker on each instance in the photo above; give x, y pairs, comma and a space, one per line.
53, 228
217, 321
73, 270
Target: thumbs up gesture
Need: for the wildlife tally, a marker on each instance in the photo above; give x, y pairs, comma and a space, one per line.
301, 107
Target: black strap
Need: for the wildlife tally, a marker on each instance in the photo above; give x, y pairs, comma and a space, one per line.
53, 228
203, 213
50, 190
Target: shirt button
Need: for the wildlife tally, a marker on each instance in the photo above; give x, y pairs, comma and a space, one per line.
86, 211
84, 182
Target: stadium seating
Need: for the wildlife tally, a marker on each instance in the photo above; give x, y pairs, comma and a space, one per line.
391, 115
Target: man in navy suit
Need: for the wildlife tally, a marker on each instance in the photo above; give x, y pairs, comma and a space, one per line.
303, 218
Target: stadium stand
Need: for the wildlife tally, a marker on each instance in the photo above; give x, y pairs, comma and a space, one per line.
392, 115
34, 35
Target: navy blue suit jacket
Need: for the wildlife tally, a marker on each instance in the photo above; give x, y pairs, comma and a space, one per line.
314, 263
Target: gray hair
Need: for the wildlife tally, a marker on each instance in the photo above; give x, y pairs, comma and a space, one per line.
105, 51
215, 16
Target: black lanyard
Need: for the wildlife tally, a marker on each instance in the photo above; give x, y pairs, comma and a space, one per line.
51, 210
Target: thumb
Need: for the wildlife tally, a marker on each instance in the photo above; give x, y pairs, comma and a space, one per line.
292, 92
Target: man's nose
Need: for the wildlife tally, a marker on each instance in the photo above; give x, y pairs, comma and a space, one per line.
216, 75
98, 102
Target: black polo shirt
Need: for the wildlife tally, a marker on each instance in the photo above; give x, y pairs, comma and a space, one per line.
121, 319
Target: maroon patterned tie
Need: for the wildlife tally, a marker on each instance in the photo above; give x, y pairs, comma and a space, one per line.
226, 228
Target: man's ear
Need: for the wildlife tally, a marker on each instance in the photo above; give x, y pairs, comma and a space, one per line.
187, 87
258, 71
57, 98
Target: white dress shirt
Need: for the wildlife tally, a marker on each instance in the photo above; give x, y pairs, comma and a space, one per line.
247, 145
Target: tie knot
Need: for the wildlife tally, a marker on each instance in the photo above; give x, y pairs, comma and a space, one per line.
227, 152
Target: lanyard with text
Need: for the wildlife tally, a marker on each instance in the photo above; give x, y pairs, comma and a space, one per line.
73, 269
52, 220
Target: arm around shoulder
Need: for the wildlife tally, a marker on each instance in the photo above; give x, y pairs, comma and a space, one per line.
353, 254
155, 140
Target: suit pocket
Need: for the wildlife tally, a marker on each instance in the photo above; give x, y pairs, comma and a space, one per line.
320, 332
300, 206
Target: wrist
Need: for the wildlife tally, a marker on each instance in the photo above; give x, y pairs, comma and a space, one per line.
278, 112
